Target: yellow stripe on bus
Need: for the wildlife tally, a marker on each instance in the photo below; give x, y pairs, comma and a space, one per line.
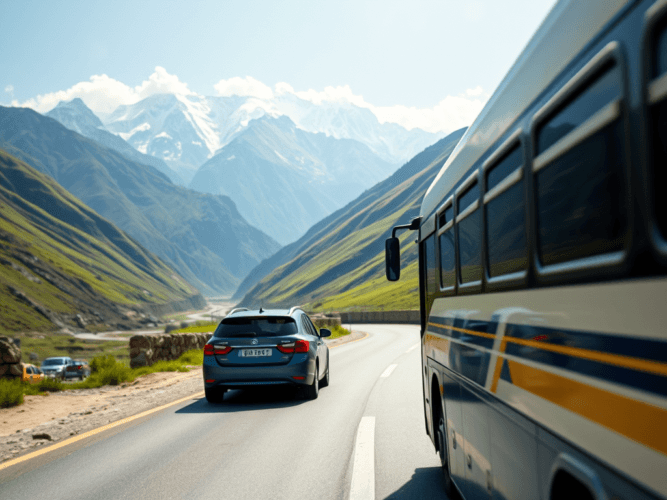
641, 422
603, 357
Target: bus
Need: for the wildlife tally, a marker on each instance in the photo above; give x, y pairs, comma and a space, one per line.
542, 261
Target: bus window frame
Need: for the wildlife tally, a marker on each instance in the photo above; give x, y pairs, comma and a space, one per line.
615, 263
473, 286
654, 91
449, 225
517, 279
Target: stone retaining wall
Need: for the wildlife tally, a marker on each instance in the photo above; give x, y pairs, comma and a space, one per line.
10, 359
411, 317
147, 349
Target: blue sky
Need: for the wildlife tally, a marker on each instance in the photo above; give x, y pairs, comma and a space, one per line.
408, 54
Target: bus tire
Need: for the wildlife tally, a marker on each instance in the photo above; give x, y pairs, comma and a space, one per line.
441, 435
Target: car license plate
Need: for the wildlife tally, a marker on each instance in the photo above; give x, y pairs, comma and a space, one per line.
254, 353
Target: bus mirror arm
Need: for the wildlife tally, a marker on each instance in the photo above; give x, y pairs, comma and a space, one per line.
413, 226
392, 249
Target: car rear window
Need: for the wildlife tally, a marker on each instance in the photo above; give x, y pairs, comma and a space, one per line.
269, 326
55, 361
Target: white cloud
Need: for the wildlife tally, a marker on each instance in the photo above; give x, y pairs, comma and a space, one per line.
247, 86
104, 94
450, 114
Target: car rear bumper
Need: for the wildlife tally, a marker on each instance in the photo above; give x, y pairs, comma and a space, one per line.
255, 376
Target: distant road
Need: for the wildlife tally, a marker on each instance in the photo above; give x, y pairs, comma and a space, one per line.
213, 312
362, 438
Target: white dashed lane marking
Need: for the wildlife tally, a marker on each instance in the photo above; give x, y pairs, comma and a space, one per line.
363, 470
388, 371
413, 348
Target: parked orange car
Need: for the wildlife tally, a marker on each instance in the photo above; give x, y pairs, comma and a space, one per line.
32, 374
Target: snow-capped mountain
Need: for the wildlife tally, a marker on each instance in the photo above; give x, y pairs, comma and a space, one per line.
187, 130
76, 116
284, 179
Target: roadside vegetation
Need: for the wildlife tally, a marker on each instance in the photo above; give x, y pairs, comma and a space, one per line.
196, 327
106, 370
47, 346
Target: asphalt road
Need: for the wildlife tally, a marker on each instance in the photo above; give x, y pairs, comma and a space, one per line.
362, 438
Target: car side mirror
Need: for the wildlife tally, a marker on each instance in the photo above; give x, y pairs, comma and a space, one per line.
392, 256
325, 332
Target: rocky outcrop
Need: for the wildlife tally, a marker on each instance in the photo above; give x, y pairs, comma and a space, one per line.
147, 349
10, 359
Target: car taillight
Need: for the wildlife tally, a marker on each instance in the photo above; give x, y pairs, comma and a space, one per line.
208, 350
222, 350
298, 346
78, 367
301, 346
286, 348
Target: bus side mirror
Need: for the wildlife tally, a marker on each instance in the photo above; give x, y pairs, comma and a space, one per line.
392, 255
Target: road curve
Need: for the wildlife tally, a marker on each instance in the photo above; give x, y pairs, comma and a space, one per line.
266, 444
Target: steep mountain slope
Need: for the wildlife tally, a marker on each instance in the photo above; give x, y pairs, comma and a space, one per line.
339, 263
76, 116
283, 179
202, 236
187, 130
176, 129
59, 259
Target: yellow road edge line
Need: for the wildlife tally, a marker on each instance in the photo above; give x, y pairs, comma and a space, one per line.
350, 342
92, 432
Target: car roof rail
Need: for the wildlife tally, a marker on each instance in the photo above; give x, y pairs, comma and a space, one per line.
238, 309
295, 308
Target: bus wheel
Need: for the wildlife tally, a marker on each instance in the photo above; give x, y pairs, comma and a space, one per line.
442, 450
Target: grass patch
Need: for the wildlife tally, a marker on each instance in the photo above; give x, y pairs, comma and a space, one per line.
11, 393
337, 331
198, 327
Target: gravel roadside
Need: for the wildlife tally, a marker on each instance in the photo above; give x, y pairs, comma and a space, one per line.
43, 420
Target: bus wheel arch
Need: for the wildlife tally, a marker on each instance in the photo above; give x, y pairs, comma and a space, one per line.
439, 424
570, 478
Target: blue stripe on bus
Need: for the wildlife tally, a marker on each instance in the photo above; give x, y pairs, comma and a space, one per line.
475, 367
650, 382
654, 350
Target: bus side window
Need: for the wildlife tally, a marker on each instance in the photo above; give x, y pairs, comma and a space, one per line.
446, 247
657, 97
578, 171
505, 214
468, 222
429, 269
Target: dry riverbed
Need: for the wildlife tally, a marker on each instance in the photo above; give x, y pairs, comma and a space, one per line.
42, 420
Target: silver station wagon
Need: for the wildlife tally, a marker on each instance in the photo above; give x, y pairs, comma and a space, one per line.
262, 348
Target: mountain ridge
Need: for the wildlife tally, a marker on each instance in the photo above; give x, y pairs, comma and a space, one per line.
63, 261
283, 179
345, 251
202, 235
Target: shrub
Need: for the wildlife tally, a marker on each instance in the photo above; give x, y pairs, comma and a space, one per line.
49, 385
11, 393
101, 363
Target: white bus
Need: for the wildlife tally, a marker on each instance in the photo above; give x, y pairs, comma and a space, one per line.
543, 262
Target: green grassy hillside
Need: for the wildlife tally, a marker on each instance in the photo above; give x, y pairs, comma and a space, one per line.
203, 236
58, 259
339, 263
